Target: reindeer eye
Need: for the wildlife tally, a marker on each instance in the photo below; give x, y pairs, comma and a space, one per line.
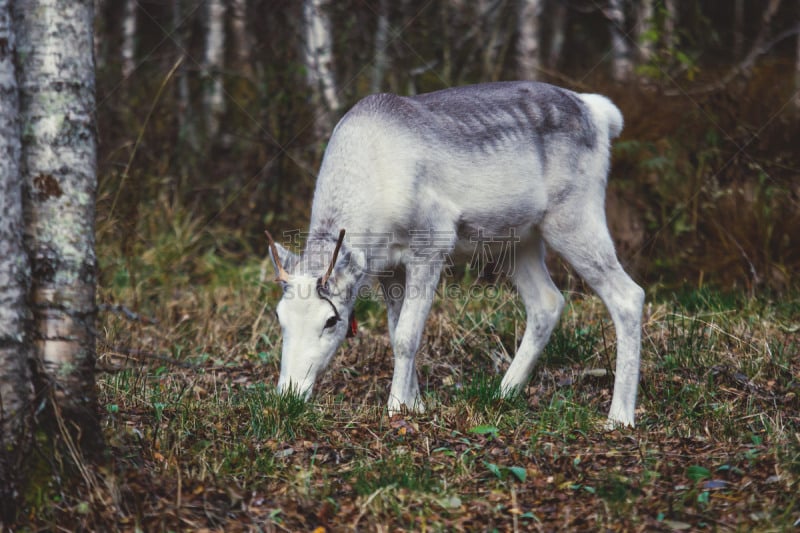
331, 322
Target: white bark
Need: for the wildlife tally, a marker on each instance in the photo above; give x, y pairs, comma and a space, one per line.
319, 60
214, 99
187, 131
557, 22
99, 46
241, 35
493, 38
58, 167
128, 51
15, 384
528, 41
670, 23
621, 65
644, 25
381, 41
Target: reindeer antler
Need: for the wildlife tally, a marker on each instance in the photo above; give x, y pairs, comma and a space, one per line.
282, 275
324, 279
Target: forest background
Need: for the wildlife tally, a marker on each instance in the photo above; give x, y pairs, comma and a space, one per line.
222, 110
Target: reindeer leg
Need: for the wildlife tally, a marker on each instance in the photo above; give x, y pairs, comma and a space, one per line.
579, 233
543, 305
394, 288
421, 281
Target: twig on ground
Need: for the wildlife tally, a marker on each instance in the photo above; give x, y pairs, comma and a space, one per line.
134, 354
127, 313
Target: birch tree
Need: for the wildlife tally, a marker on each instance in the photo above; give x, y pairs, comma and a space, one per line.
557, 23
187, 131
58, 168
621, 65
492, 37
241, 36
670, 23
214, 98
381, 41
128, 50
318, 60
645, 25
100, 44
528, 40
15, 387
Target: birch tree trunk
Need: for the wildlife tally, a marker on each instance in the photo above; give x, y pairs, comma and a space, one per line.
58, 167
670, 23
492, 38
557, 22
621, 65
15, 387
128, 51
100, 45
241, 36
528, 40
381, 40
644, 27
187, 129
319, 64
214, 100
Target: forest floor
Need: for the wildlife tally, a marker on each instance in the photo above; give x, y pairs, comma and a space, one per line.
199, 439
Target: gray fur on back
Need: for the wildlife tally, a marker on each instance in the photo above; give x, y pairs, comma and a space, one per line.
493, 155
488, 115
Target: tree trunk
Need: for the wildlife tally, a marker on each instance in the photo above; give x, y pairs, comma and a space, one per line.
558, 20
319, 64
490, 14
644, 34
528, 39
446, 12
214, 99
381, 40
100, 45
621, 65
670, 23
738, 29
128, 51
15, 387
241, 36
187, 126
58, 167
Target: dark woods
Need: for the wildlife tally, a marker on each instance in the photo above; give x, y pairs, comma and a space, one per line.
219, 111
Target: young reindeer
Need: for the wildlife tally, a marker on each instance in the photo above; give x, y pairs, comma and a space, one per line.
419, 180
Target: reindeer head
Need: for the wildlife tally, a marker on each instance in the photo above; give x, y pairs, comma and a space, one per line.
315, 311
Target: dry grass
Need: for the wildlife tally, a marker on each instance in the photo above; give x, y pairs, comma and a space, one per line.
199, 438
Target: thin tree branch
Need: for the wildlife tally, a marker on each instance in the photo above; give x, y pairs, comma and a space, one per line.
743, 68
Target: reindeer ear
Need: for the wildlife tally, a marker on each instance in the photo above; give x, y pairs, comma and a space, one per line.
350, 267
286, 258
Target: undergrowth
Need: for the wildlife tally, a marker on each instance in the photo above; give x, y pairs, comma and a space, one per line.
189, 355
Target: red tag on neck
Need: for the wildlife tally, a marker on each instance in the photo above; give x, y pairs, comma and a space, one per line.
352, 329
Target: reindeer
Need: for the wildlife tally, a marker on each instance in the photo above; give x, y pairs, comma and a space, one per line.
487, 159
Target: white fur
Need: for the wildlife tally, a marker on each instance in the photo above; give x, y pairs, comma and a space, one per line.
489, 159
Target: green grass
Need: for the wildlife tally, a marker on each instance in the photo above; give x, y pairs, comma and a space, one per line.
398, 471
194, 423
275, 414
